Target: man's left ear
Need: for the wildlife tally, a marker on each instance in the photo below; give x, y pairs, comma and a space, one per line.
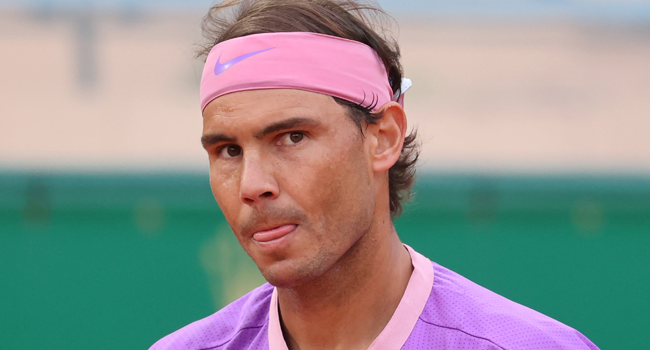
388, 133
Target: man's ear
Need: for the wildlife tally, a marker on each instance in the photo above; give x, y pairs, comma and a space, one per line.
388, 134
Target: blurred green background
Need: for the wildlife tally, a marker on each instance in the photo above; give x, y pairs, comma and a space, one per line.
118, 261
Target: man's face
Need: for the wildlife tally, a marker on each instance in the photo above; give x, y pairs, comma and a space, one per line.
291, 173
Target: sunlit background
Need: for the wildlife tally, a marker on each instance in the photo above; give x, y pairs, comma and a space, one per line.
534, 180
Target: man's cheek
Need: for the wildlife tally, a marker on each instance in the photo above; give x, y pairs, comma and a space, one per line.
229, 206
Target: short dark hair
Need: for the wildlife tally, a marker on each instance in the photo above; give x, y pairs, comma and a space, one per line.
357, 20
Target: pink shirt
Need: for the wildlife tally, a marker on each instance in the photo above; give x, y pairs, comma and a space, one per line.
439, 310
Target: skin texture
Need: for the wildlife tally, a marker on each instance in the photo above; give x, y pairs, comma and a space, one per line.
293, 162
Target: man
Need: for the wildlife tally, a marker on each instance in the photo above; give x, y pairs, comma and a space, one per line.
309, 162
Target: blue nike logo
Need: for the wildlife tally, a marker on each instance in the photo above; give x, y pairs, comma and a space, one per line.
221, 67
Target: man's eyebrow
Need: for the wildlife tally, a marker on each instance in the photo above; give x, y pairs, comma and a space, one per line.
287, 124
208, 140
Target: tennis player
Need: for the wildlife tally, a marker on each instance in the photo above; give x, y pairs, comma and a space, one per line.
304, 125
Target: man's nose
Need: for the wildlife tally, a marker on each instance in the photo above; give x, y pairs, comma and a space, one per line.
257, 181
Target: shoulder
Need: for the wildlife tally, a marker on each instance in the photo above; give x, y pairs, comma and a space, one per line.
243, 321
466, 310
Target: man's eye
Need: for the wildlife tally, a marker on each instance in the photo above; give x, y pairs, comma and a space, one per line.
231, 151
296, 137
290, 138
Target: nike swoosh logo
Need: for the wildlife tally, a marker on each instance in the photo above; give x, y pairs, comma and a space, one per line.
221, 67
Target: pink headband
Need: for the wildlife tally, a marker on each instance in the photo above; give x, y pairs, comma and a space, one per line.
311, 62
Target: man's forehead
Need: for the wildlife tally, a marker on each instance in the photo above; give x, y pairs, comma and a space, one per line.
223, 107
259, 113
226, 108
269, 103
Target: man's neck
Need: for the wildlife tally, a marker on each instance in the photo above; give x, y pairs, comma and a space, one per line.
349, 306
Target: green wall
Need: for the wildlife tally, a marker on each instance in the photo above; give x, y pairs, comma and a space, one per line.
118, 261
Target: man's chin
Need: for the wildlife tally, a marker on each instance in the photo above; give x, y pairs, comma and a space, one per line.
285, 274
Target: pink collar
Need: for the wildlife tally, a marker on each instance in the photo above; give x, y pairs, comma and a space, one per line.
400, 325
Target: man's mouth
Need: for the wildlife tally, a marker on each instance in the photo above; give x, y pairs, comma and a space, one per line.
273, 233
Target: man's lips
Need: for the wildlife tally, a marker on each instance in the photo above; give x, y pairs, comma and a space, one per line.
274, 233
